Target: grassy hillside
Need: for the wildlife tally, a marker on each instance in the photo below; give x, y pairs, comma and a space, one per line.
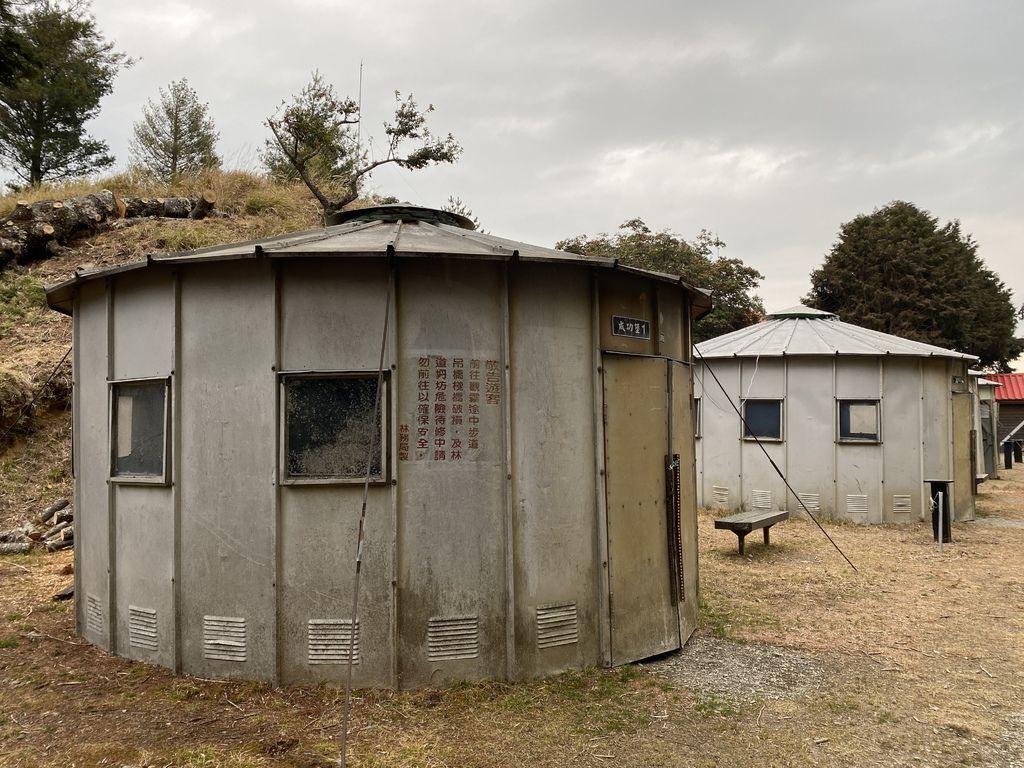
35, 456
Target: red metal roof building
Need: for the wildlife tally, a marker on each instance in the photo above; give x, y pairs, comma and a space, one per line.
1011, 385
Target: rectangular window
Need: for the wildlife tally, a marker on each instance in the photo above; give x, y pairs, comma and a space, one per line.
858, 421
330, 427
696, 417
139, 417
763, 419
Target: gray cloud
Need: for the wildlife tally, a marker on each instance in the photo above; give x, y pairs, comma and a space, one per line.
770, 123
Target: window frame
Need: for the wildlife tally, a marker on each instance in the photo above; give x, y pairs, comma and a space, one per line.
384, 443
698, 414
782, 419
164, 477
877, 402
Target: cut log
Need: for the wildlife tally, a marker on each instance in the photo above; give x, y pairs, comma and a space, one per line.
55, 531
15, 534
56, 546
47, 514
40, 230
204, 204
65, 516
67, 593
68, 534
14, 547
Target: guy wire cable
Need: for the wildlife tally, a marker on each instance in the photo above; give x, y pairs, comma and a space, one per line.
24, 409
747, 430
362, 519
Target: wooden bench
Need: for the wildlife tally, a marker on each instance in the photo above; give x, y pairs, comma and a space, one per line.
744, 522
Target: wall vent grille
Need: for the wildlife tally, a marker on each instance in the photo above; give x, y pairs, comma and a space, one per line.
225, 638
142, 628
857, 503
761, 499
557, 624
94, 614
329, 641
453, 637
901, 505
810, 500
720, 495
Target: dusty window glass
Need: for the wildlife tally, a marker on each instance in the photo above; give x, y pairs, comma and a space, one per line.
139, 429
858, 420
763, 419
330, 425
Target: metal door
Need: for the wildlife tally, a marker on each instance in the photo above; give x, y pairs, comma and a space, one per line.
643, 613
964, 457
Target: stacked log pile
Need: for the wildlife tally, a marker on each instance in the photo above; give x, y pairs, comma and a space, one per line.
53, 530
43, 229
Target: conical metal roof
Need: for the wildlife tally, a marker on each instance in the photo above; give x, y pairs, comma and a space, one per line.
390, 231
804, 330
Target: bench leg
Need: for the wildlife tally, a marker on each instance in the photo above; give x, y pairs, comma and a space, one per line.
767, 541
741, 536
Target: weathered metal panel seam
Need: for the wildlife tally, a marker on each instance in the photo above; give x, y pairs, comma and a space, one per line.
176, 475
510, 585
603, 609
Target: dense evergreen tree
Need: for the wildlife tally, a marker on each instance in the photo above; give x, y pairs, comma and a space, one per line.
176, 136
13, 58
899, 271
43, 110
730, 280
315, 138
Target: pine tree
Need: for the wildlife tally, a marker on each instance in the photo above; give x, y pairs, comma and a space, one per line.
899, 271
315, 139
68, 68
176, 136
697, 262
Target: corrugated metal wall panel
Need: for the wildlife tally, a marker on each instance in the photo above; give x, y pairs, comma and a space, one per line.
331, 318
553, 462
451, 311
228, 433
92, 541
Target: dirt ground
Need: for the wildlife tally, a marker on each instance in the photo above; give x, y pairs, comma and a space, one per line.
916, 659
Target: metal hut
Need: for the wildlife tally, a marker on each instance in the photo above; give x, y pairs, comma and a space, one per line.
986, 421
865, 425
531, 505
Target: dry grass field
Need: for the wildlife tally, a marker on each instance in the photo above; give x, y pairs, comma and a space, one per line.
916, 659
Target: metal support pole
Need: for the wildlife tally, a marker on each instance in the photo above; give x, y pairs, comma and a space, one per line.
1017, 458
1007, 456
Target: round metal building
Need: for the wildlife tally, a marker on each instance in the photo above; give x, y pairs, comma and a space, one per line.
531, 503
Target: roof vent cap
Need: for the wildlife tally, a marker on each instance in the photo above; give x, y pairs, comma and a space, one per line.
800, 311
403, 212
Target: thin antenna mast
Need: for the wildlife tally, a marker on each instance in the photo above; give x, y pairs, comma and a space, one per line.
359, 125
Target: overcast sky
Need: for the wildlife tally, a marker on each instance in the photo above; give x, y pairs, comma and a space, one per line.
770, 123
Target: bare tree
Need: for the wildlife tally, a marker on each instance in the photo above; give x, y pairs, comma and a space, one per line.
315, 139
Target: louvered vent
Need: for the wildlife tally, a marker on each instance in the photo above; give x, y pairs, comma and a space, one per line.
93, 614
901, 505
453, 637
810, 500
720, 495
857, 503
142, 629
761, 499
224, 638
330, 641
557, 625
